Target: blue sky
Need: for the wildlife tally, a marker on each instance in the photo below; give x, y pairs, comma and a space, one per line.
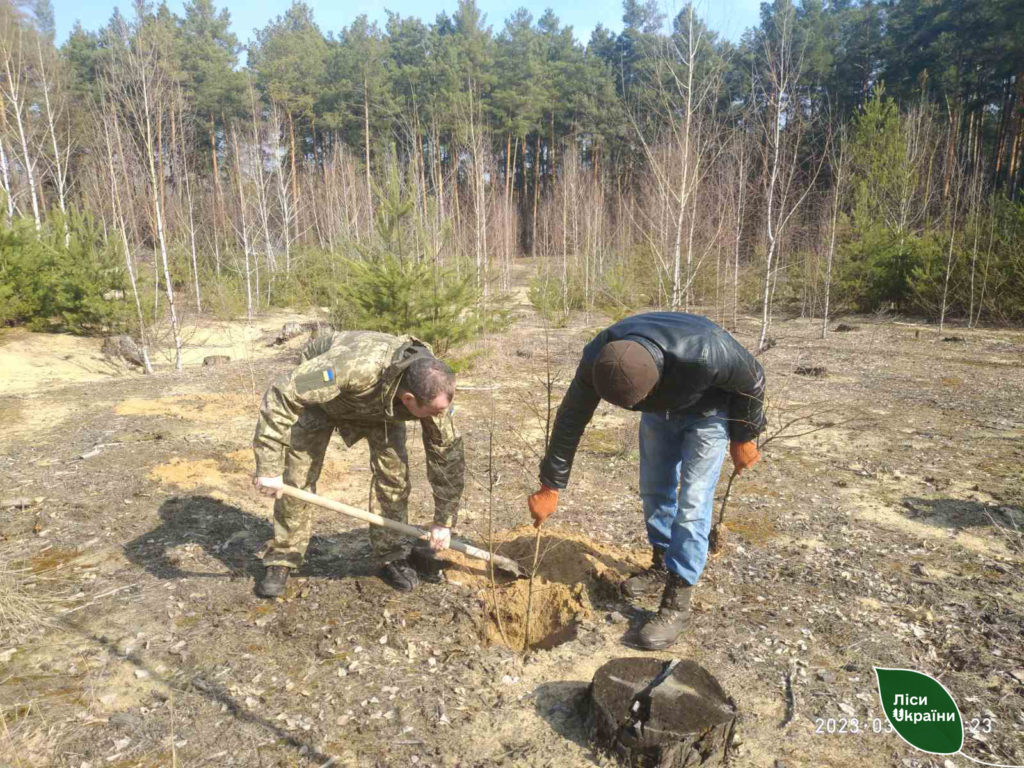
728, 17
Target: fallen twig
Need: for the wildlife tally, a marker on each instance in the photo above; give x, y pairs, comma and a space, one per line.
790, 698
19, 503
96, 599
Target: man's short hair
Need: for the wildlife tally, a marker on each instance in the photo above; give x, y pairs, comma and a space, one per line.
426, 378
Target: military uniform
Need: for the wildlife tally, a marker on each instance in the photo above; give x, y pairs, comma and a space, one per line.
348, 381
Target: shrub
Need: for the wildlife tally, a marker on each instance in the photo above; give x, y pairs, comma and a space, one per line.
626, 283
314, 280
56, 279
397, 286
224, 295
629, 283
879, 265
15, 303
550, 296
418, 298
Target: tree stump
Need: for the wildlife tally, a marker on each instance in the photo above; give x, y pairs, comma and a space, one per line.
123, 347
289, 331
652, 713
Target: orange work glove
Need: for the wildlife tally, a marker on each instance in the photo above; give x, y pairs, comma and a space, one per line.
744, 455
542, 504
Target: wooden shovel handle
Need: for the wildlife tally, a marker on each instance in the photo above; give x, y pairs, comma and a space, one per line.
413, 531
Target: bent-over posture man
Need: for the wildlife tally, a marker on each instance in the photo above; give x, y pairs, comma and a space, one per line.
364, 385
699, 391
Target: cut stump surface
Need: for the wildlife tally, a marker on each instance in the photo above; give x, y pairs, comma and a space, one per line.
665, 714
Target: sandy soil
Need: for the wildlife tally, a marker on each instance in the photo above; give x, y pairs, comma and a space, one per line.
886, 539
33, 362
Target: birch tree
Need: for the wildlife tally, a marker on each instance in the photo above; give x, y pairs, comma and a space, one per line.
189, 208
54, 110
243, 228
782, 134
111, 126
16, 101
955, 174
839, 155
140, 90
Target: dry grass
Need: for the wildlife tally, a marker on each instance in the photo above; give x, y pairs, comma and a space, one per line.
30, 595
1009, 532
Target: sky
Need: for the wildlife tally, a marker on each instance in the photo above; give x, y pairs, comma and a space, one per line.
728, 17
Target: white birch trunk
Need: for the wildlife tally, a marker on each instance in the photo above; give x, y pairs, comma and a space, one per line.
159, 216
949, 253
836, 193
129, 265
60, 167
5, 179
250, 314
15, 96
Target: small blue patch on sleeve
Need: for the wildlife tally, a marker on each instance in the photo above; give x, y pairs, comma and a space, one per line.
329, 375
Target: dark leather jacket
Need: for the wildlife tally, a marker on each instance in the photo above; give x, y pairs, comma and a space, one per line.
703, 369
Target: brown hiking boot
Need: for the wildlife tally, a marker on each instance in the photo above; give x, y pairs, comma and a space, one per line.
663, 630
649, 581
274, 579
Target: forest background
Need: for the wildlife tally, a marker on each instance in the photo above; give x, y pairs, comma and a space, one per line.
852, 156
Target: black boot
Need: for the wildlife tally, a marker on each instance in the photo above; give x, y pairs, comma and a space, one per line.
426, 562
663, 630
275, 577
649, 581
400, 575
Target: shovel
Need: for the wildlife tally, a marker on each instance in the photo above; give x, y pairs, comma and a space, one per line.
413, 531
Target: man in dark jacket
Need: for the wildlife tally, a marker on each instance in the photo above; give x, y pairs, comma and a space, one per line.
699, 391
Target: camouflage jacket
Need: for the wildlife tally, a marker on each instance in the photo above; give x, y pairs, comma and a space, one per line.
353, 377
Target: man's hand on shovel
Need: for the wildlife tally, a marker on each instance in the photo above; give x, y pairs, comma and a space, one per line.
440, 537
269, 486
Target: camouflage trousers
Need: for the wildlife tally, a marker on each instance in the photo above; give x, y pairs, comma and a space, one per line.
304, 460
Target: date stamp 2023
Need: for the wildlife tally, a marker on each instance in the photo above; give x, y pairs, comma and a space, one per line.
829, 726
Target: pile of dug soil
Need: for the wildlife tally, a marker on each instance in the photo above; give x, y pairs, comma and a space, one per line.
573, 573
190, 474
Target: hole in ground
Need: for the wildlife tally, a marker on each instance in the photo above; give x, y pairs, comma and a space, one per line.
555, 611
573, 574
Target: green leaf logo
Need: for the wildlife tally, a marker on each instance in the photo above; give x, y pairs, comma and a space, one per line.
921, 710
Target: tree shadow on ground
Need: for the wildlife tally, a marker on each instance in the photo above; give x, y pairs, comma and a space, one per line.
189, 682
237, 539
562, 704
959, 514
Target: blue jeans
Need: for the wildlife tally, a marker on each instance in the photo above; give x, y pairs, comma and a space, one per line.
680, 460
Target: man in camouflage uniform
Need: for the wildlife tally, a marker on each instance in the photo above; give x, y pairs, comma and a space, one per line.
365, 385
